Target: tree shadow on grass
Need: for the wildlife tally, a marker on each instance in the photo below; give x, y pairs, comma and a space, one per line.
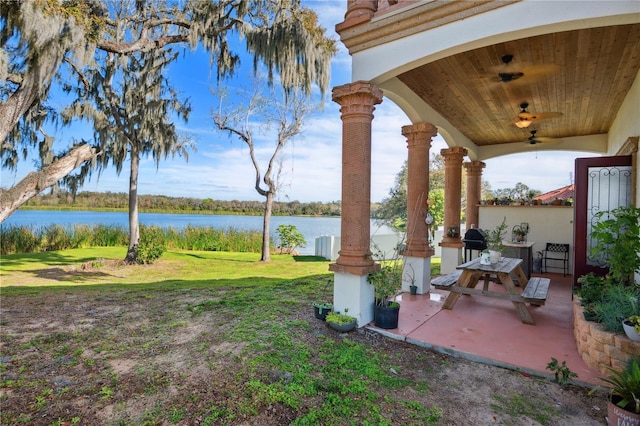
309, 259
69, 274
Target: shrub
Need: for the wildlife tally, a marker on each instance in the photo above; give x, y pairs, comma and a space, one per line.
618, 244
617, 303
151, 244
289, 238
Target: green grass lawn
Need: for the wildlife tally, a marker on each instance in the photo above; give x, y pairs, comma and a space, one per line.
208, 338
238, 322
94, 267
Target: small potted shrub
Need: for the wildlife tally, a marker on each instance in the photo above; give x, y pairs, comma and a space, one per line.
624, 402
387, 283
321, 309
631, 327
341, 322
495, 239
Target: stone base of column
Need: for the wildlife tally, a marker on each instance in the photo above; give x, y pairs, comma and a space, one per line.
354, 269
423, 252
416, 271
353, 292
451, 241
451, 257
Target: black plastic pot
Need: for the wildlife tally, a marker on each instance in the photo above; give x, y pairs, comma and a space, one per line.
321, 313
386, 317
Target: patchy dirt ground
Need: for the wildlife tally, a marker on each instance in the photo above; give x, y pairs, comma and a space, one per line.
144, 357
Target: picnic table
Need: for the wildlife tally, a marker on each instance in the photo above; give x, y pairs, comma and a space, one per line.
507, 271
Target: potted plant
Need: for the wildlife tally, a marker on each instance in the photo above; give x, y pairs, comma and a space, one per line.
321, 309
387, 283
453, 232
485, 257
341, 322
631, 327
624, 402
495, 239
520, 233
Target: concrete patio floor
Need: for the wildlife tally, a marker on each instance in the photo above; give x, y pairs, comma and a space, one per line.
489, 330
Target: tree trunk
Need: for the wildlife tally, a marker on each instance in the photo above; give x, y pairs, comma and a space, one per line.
134, 225
268, 206
36, 182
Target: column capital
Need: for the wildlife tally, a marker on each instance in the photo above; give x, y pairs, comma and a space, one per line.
420, 128
456, 153
474, 167
361, 91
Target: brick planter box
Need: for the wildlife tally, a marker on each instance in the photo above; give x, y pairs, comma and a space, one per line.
598, 348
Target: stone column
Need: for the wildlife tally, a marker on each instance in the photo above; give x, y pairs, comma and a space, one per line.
452, 246
474, 191
452, 192
416, 267
357, 102
419, 138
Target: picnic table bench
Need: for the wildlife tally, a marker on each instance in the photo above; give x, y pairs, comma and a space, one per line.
466, 278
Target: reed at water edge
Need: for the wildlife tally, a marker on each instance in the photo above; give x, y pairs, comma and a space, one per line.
33, 239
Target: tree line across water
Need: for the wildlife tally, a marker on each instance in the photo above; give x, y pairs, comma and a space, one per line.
119, 201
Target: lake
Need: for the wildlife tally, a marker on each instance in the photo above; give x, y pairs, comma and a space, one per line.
310, 227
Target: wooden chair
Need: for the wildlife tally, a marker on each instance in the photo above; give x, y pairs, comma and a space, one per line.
554, 252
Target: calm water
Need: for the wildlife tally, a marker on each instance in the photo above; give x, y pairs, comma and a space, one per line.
310, 227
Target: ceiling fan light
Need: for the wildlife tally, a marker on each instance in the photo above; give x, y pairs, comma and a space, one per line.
523, 123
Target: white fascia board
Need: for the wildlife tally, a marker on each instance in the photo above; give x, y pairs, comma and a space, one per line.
524, 19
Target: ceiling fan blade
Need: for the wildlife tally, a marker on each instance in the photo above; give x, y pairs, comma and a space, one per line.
537, 115
510, 72
544, 141
540, 70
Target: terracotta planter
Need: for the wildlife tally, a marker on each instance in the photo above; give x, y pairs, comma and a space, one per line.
616, 416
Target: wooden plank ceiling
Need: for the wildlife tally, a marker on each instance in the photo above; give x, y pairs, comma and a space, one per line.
582, 74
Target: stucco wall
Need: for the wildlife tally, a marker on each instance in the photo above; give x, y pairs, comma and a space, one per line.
627, 125
553, 224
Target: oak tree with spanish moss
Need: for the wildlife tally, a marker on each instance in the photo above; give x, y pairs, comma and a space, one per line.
46, 40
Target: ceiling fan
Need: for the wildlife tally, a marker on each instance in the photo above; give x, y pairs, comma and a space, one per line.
507, 73
525, 118
535, 140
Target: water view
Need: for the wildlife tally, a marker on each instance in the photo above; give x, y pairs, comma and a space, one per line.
310, 227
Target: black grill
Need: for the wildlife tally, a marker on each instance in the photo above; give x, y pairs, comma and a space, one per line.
474, 239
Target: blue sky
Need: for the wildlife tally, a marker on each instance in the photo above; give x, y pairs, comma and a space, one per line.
221, 168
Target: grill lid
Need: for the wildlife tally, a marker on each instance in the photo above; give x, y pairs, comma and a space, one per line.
475, 239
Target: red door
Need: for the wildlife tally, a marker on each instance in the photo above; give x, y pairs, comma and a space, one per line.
602, 184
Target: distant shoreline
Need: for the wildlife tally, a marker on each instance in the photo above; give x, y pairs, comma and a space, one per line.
157, 211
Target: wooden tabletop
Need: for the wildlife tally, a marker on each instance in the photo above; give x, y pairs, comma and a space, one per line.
506, 265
